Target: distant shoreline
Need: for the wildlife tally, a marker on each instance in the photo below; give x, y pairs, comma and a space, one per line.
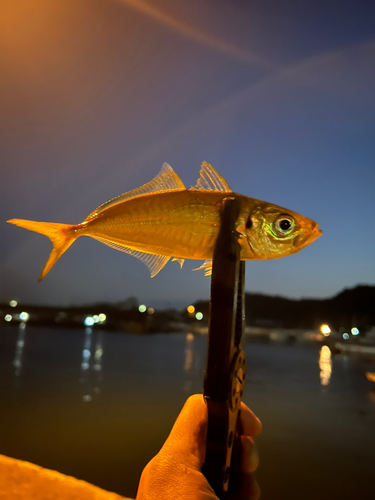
349, 308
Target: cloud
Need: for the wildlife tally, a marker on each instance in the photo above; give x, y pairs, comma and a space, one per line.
348, 72
197, 34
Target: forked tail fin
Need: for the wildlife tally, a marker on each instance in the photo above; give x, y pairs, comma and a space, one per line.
61, 236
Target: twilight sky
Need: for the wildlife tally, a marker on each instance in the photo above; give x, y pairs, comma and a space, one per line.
96, 94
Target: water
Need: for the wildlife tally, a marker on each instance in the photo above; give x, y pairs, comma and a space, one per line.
98, 405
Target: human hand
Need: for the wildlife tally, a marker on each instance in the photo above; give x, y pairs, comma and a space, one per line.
175, 472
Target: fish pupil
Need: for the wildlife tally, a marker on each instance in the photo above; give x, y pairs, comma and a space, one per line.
249, 223
285, 224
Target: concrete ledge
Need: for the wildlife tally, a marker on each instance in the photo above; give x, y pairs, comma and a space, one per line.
21, 480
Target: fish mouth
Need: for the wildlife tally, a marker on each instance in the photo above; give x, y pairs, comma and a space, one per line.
316, 233
305, 239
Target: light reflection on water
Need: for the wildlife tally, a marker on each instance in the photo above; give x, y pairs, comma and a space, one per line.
86, 353
20, 345
98, 353
91, 364
325, 365
126, 390
189, 359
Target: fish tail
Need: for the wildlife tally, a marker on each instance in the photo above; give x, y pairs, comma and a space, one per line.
61, 235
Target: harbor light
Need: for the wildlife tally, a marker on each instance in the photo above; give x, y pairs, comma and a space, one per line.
89, 321
150, 310
190, 309
325, 329
86, 354
354, 331
345, 336
95, 318
102, 317
13, 303
199, 316
24, 316
142, 308
8, 317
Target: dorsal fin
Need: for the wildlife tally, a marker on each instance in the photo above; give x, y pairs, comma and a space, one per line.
166, 180
154, 262
209, 179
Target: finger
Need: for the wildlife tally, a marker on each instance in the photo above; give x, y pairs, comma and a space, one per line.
251, 425
249, 455
250, 488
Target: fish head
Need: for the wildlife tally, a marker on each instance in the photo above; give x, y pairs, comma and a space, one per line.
268, 231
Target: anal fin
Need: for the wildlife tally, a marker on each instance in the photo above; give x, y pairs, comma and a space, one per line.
206, 266
180, 261
154, 262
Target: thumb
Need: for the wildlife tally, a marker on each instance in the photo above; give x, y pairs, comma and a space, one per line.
187, 440
174, 473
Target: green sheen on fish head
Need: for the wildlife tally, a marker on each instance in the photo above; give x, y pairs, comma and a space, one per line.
268, 231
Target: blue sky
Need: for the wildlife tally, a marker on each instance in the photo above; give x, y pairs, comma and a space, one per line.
95, 95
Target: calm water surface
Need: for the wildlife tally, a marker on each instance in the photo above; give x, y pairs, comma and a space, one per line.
98, 406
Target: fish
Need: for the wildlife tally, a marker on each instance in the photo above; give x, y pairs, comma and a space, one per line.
163, 220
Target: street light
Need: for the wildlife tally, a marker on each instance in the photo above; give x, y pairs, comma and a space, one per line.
325, 329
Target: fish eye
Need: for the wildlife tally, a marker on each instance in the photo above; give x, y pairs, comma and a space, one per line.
284, 224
